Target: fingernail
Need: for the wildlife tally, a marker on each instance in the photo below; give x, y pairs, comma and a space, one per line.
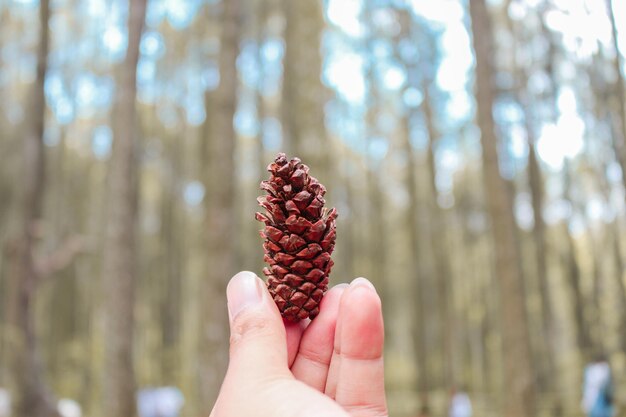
342, 285
362, 282
244, 290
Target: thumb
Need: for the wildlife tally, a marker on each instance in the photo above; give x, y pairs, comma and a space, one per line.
258, 345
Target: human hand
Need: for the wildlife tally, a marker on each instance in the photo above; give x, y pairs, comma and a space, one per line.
330, 367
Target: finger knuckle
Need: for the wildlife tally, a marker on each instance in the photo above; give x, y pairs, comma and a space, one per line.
248, 325
369, 410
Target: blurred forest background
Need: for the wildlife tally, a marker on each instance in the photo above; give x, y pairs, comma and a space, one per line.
475, 150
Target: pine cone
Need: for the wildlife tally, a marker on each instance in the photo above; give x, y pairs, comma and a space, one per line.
299, 238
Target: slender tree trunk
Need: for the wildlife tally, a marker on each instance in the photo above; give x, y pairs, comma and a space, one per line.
603, 112
546, 375
220, 214
416, 271
33, 397
618, 264
618, 276
477, 324
597, 324
303, 92
572, 269
261, 14
546, 380
377, 234
572, 273
120, 246
377, 247
374, 241
619, 144
518, 367
172, 250
573, 277
620, 96
443, 274
255, 253
349, 255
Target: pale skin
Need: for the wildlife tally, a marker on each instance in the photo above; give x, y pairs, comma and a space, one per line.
329, 367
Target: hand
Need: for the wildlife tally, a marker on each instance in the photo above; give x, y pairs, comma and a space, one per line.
330, 367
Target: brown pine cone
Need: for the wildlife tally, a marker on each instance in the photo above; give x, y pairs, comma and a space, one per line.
299, 238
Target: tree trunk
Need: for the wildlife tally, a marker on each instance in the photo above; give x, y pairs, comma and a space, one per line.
443, 274
614, 234
416, 271
377, 247
119, 259
219, 177
572, 273
172, 250
619, 97
545, 376
573, 278
303, 92
249, 254
518, 367
572, 269
478, 323
545, 344
618, 276
33, 397
347, 245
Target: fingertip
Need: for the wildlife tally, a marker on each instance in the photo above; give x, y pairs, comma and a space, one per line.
339, 286
333, 296
367, 286
234, 282
361, 306
250, 305
329, 308
245, 289
244, 273
360, 281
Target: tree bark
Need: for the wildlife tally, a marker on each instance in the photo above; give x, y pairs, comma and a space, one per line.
120, 244
347, 245
618, 276
547, 371
249, 255
617, 261
417, 278
33, 396
572, 272
303, 92
545, 345
518, 367
219, 178
172, 250
572, 269
545, 377
620, 99
443, 274
603, 111
469, 250
377, 253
